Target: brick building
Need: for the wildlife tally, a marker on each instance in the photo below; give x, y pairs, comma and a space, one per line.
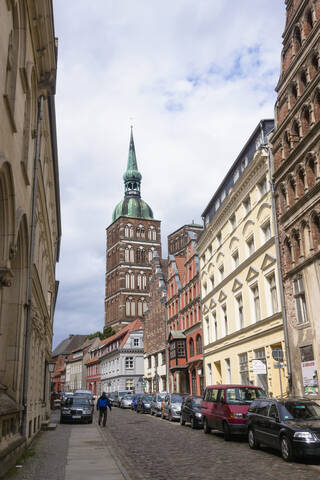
155, 329
177, 241
296, 147
132, 240
184, 316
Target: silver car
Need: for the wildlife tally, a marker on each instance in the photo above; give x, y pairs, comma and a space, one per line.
156, 403
172, 406
126, 401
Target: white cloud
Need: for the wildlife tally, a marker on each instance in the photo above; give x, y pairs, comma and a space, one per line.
197, 76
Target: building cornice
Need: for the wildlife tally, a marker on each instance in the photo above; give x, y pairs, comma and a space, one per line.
243, 186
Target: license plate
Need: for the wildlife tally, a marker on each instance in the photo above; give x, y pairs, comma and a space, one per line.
76, 416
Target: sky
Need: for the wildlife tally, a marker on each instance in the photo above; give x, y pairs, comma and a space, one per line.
194, 77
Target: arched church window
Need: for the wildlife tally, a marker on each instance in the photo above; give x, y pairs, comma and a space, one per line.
132, 280
139, 308
127, 280
139, 281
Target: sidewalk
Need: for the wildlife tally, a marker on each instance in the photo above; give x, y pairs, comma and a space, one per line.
89, 457
70, 452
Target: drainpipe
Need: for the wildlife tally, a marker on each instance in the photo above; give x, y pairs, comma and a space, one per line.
164, 301
276, 235
30, 266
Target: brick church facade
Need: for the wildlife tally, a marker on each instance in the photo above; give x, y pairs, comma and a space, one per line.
133, 239
296, 150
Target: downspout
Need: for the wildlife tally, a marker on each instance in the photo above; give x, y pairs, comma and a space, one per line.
30, 265
276, 238
164, 301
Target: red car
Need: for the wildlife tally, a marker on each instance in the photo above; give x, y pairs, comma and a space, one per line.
224, 408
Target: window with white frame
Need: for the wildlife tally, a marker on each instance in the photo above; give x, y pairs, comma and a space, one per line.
228, 370
221, 272
263, 186
225, 319
207, 324
256, 302
300, 299
129, 362
266, 230
250, 245
244, 368
129, 384
233, 221
215, 325
247, 204
235, 258
239, 301
273, 293
209, 368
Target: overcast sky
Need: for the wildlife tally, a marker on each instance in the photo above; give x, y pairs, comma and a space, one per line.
196, 76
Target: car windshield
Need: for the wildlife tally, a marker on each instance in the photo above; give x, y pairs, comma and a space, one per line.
196, 402
176, 399
78, 401
127, 397
300, 411
160, 398
147, 398
244, 395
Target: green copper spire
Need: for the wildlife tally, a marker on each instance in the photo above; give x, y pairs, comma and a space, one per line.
132, 205
132, 177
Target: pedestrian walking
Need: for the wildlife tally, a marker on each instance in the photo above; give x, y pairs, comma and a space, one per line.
102, 405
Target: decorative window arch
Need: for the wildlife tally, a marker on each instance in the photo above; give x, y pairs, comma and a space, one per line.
151, 254
199, 344
130, 307
128, 231
152, 234
191, 347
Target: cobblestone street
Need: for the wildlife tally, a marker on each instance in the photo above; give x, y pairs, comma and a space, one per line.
157, 449
141, 447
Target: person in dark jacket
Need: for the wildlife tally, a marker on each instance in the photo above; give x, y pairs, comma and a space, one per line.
102, 405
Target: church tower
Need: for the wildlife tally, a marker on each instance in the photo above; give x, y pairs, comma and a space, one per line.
133, 238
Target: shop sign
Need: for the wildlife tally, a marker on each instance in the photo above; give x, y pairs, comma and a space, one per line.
259, 367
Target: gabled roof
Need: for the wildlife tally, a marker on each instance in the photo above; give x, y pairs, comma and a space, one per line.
177, 335
180, 261
68, 345
124, 333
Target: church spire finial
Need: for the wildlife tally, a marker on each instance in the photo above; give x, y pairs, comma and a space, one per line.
132, 177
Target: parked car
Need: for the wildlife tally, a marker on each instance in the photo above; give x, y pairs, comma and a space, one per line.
156, 403
291, 425
64, 397
87, 394
119, 395
144, 404
135, 399
126, 401
224, 408
171, 408
191, 411
76, 408
111, 397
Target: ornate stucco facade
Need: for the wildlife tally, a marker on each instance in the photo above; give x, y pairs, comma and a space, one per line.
296, 149
240, 289
29, 219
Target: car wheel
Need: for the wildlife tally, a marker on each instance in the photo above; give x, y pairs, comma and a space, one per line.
193, 423
226, 431
253, 443
182, 421
206, 427
286, 449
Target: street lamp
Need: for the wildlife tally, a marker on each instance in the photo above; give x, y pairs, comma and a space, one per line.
51, 366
